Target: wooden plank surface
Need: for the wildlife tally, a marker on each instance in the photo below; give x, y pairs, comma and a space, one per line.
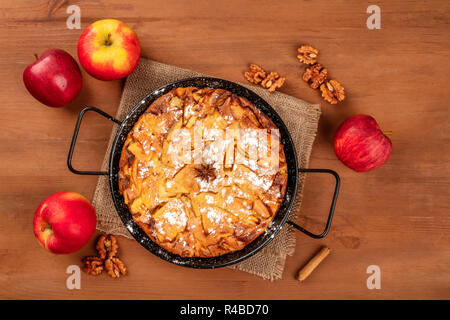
396, 217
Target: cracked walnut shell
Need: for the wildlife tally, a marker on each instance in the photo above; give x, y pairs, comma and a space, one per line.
93, 265
273, 81
315, 75
255, 74
115, 267
107, 246
332, 91
307, 54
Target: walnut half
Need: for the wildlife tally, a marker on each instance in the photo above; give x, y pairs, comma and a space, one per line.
107, 246
315, 75
273, 81
332, 91
93, 265
115, 267
255, 74
307, 54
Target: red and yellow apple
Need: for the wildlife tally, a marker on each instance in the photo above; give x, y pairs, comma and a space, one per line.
109, 49
360, 144
64, 222
54, 78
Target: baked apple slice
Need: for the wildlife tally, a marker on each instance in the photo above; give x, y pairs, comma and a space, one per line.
169, 220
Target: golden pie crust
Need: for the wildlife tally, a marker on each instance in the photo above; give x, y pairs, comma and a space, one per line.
201, 202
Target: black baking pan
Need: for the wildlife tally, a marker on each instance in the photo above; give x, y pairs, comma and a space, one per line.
280, 219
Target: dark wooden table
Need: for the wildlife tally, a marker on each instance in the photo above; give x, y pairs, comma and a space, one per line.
396, 217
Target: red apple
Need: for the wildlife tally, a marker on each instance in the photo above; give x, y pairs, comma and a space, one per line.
109, 49
54, 79
64, 222
360, 144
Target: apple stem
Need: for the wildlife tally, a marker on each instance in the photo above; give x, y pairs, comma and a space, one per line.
108, 40
36, 56
388, 133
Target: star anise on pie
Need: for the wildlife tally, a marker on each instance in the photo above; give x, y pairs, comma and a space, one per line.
205, 172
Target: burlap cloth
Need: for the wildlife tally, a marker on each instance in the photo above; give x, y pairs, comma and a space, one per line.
300, 117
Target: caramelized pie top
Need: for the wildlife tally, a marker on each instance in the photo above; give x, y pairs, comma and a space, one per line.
203, 172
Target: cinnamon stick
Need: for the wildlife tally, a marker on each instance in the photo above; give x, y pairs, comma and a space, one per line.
313, 263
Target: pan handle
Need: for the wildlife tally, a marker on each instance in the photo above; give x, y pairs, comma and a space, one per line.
74, 140
333, 204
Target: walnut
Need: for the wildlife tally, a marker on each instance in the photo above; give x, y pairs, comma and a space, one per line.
107, 246
255, 74
93, 265
273, 81
307, 54
332, 91
315, 75
115, 267
258, 75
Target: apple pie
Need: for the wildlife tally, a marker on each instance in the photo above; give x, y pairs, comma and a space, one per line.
203, 172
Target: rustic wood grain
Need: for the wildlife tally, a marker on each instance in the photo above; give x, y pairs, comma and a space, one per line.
396, 217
